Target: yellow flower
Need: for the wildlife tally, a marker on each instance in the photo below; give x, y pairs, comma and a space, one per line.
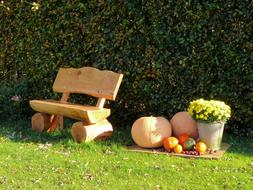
212, 110
35, 6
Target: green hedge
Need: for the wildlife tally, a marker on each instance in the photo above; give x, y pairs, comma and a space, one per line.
170, 52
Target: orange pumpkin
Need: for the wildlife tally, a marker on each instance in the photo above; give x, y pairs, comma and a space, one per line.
201, 147
178, 148
182, 138
169, 143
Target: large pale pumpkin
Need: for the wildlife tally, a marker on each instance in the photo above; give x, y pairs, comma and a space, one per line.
183, 123
149, 132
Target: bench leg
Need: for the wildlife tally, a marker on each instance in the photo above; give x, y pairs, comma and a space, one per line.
56, 122
40, 122
82, 132
43, 122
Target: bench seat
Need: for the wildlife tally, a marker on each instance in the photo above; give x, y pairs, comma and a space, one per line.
90, 114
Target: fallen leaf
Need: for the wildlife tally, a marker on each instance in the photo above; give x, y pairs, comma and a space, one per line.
88, 176
44, 146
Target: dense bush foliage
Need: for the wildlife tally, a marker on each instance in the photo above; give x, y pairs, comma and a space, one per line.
170, 52
12, 106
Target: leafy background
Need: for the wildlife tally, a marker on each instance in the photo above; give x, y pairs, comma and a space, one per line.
170, 53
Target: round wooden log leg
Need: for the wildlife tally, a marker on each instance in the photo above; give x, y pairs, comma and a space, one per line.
40, 122
84, 133
60, 122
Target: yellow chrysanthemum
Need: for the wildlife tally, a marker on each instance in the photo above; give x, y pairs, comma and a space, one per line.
212, 110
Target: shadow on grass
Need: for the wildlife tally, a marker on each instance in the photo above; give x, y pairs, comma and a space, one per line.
239, 145
20, 131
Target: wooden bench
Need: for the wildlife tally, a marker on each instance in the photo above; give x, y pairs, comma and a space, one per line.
102, 84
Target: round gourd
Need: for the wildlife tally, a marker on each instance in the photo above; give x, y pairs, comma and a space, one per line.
178, 148
201, 147
189, 144
149, 132
182, 123
169, 143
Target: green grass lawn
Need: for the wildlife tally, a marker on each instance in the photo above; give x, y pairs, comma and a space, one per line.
29, 160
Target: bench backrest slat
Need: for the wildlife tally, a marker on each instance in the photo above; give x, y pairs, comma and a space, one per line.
88, 80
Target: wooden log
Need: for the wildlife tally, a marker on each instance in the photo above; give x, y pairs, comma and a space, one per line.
40, 122
60, 125
91, 114
82, 132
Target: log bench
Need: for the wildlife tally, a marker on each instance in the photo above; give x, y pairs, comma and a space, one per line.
92, 124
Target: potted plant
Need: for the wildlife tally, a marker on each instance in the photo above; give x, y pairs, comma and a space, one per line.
211, 115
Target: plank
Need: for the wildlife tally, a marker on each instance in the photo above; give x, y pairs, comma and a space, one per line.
90, 114
88, 80
215, 155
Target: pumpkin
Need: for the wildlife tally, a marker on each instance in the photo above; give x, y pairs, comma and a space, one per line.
169, 143
149, 132
183, 123
201, 147
182, 138
189, 144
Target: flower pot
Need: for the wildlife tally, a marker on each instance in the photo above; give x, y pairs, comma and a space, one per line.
211, 134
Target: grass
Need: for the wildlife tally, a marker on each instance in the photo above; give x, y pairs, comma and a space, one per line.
29, 160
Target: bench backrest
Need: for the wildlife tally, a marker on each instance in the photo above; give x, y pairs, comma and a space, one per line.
88, 80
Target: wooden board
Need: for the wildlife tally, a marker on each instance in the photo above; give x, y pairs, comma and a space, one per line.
215, 155
90, 114
88, 80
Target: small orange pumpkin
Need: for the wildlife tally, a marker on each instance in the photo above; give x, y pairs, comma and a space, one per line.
170, 142
182, 138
